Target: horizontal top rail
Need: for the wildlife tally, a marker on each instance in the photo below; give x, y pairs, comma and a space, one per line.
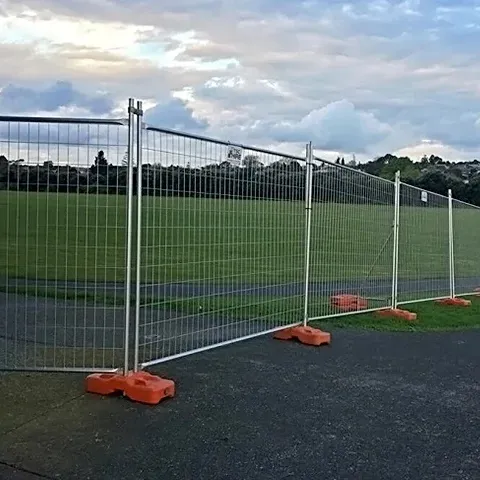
223, 142
466, 203
64, 120
353, 170
425, 190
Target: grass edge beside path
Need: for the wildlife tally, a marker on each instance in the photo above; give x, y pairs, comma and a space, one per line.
431, 317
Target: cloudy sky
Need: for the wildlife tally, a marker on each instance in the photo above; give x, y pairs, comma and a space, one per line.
363, 78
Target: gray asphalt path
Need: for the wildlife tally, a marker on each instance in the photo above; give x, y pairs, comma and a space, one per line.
33, 329
374, 406
36, 331
378, 286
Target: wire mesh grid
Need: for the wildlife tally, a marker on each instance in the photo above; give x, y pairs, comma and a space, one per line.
62, 243
223, 244
352, 241
466, 235
423, 249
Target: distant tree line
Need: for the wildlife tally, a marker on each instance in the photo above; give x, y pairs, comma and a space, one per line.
250, 179
432, 173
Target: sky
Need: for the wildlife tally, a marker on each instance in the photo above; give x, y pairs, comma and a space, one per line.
363, 78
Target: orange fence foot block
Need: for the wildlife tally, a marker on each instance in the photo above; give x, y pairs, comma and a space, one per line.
104, 383
306, 335
146, 388
140, 387
286, 334
456, 302
348, 303
312, 336
397, 313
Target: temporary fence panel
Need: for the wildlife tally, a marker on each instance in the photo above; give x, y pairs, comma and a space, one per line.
423, 249
466, 238
63, 198
352, 242
124, 245
222, 244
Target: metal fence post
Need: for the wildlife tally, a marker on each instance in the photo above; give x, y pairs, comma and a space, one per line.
308, 226
450, 244
128, 260
139, 113
464, 232
396, 231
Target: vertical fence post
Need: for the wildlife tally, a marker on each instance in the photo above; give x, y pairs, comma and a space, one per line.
139, 113
450, 244
396, 231
308, 226
128, 259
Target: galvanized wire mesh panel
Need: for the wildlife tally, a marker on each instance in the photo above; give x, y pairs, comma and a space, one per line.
466, 241
222, 252
62, 243
352, 242
423, 257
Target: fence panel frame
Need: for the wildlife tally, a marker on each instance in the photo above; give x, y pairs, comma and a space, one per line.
252, 149
391, 265
454, 255
70, 122
448, 241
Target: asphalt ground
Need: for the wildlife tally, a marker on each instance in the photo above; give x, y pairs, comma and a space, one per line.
371, 406
370, 286
46, 332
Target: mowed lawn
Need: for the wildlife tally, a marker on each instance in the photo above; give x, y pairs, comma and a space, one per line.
431, 316
82, 237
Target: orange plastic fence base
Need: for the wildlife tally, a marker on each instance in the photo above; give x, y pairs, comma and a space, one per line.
456, 302
306, 335
397, 313
140, 387
348, 303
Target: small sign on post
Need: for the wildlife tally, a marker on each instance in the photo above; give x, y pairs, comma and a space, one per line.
424, 196
234, 154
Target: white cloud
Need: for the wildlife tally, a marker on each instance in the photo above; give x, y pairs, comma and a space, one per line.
113, 37
416, 152
337, 126
350, 76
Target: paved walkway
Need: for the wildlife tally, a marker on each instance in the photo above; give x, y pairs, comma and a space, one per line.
372, 286
372, 406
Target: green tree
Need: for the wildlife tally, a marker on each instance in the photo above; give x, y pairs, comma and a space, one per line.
100, 166
252, 162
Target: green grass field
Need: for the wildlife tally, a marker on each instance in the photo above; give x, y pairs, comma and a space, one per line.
430, 317
57, 237
82, 237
